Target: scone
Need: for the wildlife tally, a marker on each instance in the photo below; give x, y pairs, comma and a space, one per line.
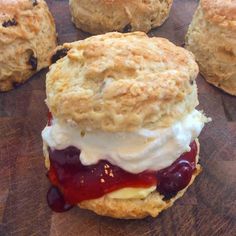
27, 37
212, 38
101, 16
121, 139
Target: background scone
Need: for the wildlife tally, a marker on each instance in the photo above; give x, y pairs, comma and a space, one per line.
27, 37
212, 38
122, 138
101, 16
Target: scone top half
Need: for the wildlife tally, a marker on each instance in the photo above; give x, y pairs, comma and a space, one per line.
124, 103
122, 82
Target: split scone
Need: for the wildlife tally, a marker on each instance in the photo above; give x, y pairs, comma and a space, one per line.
101, 16
212, 38
121, 139
27, 37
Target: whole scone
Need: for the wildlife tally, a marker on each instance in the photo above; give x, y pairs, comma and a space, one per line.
27, 38
212, 39
121, 138
101, 16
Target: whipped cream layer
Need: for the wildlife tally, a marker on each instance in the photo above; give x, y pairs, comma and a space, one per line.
134, 152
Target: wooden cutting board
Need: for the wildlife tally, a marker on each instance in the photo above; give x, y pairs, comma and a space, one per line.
208, 207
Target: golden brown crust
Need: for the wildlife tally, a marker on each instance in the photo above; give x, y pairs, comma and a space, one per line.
119, 15
27, 36
214, 47
220, 12
122, 82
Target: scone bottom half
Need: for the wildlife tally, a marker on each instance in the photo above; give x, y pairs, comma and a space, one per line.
117, 169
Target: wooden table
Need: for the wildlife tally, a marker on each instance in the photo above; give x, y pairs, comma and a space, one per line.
208, 207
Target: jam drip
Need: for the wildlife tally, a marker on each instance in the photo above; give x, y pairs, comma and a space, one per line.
56, 200
73, 182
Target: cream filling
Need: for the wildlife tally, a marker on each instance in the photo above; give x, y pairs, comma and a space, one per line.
134, 152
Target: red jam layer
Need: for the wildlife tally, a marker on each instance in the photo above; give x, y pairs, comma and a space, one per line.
78, 182
73, 182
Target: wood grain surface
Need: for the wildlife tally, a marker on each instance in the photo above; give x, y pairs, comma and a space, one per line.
208, 207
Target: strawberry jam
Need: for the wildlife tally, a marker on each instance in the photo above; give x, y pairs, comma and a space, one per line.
73, 182
78, 182
49, 119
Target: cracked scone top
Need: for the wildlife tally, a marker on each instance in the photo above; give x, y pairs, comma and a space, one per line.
122, 82
27, 37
